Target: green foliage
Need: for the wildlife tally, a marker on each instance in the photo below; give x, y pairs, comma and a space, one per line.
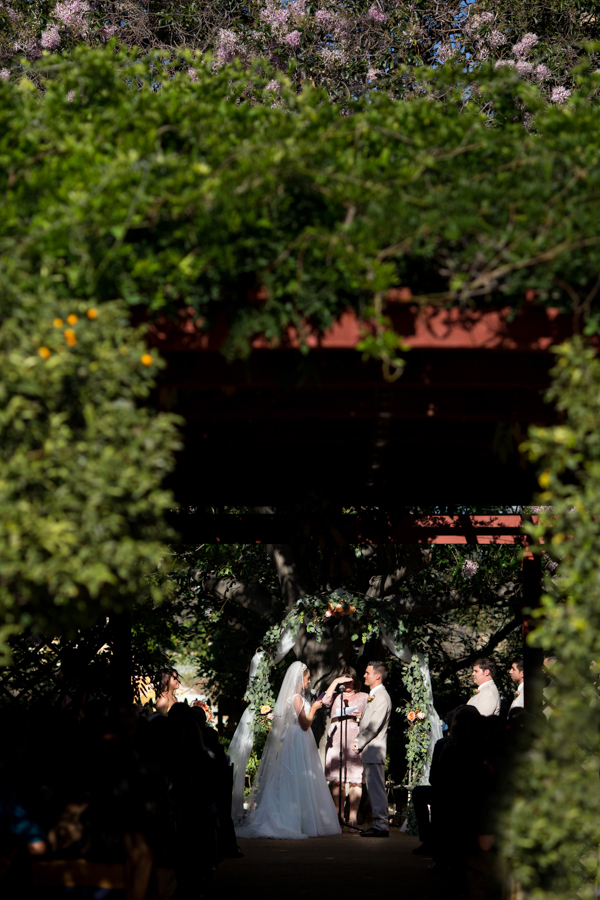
419, 730
217, 635
81, 465
190, 196
552, 833
59, 669
260, 695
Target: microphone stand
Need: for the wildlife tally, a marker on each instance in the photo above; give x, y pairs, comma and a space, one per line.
343, 719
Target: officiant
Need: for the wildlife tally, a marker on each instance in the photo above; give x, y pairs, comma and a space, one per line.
347, 703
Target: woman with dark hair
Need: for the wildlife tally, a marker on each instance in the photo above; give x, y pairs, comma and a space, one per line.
165, 684
347, 706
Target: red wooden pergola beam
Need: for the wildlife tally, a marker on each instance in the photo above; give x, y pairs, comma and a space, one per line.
252, 528
533, 328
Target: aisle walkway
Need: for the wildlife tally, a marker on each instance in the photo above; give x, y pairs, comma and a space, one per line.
337, 868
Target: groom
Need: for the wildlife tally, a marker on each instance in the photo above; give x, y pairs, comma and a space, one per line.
371, 744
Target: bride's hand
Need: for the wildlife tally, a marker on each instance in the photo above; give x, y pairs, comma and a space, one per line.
317, 704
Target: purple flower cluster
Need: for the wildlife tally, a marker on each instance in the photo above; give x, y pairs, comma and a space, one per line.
332, 58
477, 22
227, 46
107, 32
469, 568
30, 48
542, 72
51, 38
476, 27
376, 15
524, 67
275, 16
325, 19
560, 94
525, 45
273, 86
495, 39
293, 38
4, 74
72, 13
192, 74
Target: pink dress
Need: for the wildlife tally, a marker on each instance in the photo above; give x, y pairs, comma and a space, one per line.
352, 767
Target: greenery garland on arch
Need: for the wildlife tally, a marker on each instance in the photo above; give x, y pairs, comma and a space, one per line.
419, 722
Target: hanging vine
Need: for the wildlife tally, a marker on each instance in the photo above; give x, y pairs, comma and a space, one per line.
419, 722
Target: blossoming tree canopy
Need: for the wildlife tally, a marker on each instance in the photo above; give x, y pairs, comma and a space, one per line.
348, 48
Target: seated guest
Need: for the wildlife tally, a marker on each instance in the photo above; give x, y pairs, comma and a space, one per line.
457, 785
487, 699
422, 795
17, 827
220, 776
516, 674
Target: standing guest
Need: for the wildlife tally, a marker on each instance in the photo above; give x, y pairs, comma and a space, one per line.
371, 743
347, 707
516, 674
487, 698
165, 684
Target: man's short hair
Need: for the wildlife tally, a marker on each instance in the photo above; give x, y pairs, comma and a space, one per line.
518, 662
486, 663
381, 669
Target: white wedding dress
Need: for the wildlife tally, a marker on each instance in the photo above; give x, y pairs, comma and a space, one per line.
290, 798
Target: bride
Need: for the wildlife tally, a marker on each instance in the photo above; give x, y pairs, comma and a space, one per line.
290, 798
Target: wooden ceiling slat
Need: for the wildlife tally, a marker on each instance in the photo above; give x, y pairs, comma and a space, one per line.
252, 528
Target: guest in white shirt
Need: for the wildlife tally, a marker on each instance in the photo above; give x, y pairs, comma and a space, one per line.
487, 698
516, 674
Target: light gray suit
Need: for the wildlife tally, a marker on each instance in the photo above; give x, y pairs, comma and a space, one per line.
372, 745
487, 701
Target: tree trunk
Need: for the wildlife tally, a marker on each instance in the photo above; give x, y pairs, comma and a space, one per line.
121, 687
